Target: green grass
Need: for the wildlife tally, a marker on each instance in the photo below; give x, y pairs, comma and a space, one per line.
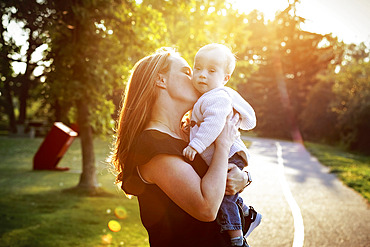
353, 169
35, 210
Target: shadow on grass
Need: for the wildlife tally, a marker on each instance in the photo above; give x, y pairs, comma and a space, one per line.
26, 216
90, 192
52, 218
43, 208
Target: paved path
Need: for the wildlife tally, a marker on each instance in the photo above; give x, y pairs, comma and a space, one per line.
301, 202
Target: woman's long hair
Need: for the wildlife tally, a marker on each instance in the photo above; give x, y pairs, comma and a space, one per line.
139, 97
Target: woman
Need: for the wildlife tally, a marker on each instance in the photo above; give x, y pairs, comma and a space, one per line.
178, 199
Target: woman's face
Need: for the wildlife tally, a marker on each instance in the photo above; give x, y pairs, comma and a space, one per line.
179, 82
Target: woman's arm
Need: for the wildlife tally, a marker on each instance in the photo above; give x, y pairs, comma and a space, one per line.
199, 197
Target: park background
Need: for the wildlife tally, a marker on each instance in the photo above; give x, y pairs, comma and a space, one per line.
69, 61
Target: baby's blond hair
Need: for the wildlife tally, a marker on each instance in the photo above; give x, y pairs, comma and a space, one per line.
229, 56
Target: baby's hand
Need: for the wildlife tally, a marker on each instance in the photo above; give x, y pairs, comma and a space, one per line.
189, 153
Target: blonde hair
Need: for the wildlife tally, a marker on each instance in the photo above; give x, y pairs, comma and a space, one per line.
139, 97
229, 56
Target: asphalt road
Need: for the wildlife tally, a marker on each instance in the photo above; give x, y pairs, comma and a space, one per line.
302, 204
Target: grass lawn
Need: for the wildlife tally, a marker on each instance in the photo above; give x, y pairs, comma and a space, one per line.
35, 211
353, 169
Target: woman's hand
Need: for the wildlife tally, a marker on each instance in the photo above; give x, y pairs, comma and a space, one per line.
230, 132
236, 180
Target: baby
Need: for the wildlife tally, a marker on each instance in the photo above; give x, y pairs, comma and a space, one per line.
213, 66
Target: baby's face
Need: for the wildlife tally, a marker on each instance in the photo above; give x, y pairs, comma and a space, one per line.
209, 70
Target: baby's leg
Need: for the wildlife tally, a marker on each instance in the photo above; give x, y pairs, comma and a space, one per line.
229, 219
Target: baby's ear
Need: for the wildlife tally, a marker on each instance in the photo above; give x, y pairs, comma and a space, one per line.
161, 81
226, 78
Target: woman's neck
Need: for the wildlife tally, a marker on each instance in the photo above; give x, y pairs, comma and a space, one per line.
166, 127
168, 122
166, 116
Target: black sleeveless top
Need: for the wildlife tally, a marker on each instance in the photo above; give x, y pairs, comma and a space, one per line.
167, 224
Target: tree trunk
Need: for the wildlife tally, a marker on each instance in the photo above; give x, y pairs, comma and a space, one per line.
60, 111
24, 94
57, 111
88, 179
10, 108
26, 78
23, 102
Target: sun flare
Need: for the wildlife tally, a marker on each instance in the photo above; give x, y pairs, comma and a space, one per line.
349, 22
267, 7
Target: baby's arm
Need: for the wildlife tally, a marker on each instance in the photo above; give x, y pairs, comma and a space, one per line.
246, 111
189, 153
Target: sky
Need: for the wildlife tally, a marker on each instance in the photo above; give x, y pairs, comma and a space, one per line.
349, 20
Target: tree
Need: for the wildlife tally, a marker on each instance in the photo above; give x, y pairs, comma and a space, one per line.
261, 88
32, 17
7, 48
352, 98
94, 45
319, 121
304, 55
288, 59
